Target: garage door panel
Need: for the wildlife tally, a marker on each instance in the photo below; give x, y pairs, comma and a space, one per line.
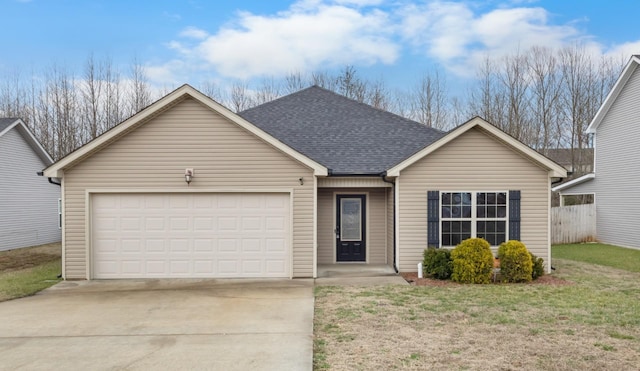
190, 235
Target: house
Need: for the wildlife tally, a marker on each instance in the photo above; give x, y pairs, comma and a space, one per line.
186, 188
615, 182
29, 204
575, 160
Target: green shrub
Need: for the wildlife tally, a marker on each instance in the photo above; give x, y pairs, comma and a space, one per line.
538, 266
515, 262
472, 261
437, 263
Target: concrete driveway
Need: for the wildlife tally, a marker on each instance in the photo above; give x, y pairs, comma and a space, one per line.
161, 324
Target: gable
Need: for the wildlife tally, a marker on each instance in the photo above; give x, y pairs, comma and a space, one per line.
498, 135
13, 127
628, 72
187, 135
476, 157
165, 103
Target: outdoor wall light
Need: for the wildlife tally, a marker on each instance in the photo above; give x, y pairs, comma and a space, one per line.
301, 180
188, 175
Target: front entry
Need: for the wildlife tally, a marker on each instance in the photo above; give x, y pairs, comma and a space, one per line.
350, 228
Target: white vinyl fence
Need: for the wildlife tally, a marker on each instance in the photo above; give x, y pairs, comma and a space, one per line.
570, 224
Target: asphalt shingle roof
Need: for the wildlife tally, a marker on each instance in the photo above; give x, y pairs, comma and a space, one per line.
342, 134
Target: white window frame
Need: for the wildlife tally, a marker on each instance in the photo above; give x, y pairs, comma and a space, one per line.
474, 218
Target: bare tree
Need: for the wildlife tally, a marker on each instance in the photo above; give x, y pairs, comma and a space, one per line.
294, 82
268, 90
239, 96
429, 100
91, 88
139, 91
546, 89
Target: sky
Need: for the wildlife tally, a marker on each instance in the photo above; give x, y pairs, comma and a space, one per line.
396, 41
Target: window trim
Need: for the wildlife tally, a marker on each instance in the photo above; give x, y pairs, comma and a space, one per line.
474, 218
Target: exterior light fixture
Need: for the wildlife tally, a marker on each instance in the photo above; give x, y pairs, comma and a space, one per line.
188, 175
301, 180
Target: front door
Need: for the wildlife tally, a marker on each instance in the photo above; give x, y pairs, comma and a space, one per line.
350, 228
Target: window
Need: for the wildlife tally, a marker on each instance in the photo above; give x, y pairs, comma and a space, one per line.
473, 214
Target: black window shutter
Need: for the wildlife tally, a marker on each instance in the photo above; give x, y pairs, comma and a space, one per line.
433, 218
514, 215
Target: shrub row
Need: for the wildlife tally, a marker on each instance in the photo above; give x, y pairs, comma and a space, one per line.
472, 262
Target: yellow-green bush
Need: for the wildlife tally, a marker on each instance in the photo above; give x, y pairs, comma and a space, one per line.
538, 266
515, 262
472, 261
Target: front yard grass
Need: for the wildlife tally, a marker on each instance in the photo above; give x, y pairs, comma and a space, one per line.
26, 271
601, 254
592, 324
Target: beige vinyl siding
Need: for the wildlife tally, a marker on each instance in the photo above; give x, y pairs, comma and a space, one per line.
376, 223
390, 224
475, 161
618, 169
326, 237
188, 135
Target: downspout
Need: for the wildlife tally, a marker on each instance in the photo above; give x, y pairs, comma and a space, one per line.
383, 176
40, 173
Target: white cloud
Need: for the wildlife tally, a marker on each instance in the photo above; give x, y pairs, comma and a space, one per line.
459, 37
625, 50
309, 35
194, 33
323, 34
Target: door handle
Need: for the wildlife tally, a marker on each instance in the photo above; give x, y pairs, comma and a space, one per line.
337, 232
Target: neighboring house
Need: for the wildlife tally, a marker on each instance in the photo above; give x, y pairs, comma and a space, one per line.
615, 181
29, 208
187, 188
575, 160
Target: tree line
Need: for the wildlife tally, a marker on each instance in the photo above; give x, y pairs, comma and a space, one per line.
543, 97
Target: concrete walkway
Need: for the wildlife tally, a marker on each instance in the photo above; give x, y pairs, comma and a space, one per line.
358, 275
161, 325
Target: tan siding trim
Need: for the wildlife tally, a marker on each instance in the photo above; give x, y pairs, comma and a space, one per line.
352, 182
398, 243
64, 228
315, 227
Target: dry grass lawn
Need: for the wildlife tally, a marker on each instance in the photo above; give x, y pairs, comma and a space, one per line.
592, 324
26, 271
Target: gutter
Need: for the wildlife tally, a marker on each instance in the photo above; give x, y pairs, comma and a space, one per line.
40, 173
383, 176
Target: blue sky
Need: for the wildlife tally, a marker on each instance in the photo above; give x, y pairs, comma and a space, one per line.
396, 40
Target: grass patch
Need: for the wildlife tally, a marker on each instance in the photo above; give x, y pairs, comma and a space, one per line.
601, 254
26, 271
590, 324
25, 282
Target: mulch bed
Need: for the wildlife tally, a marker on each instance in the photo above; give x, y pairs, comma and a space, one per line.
547, 279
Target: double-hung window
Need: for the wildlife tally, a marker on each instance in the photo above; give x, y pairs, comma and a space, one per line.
473, 214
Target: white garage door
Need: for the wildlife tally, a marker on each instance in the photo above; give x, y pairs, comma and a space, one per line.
190, 235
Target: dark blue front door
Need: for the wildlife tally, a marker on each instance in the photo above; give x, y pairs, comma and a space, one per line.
350, 228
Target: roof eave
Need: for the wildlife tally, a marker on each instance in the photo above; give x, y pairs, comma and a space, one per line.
613, 94
31, 140
57, 169
583, 179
